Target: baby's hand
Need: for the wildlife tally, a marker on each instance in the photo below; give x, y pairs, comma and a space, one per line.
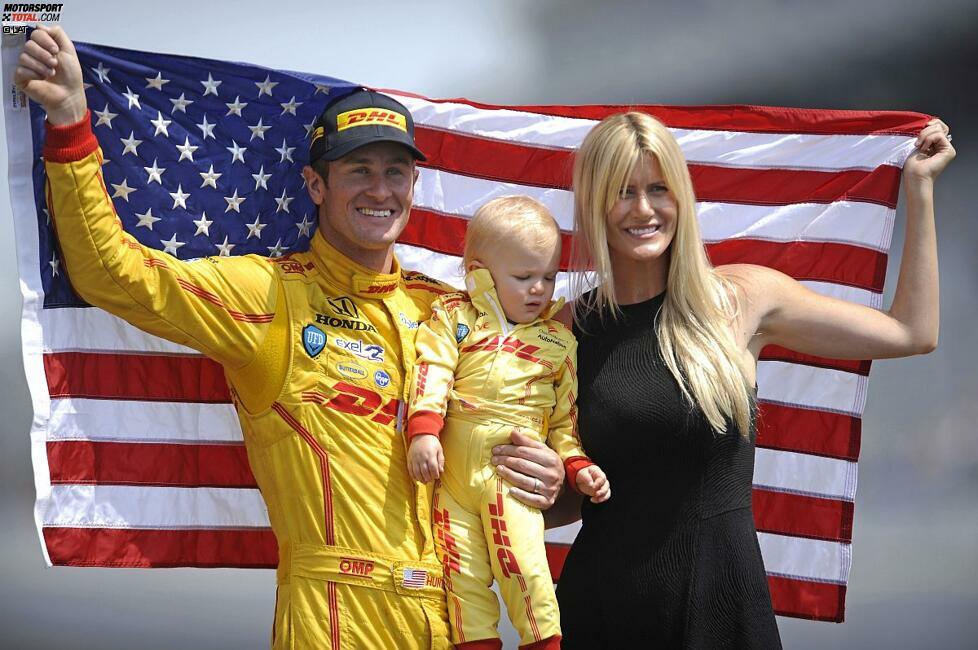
426, 461
592, 482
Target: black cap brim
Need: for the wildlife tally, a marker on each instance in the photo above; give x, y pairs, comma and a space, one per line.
340, 150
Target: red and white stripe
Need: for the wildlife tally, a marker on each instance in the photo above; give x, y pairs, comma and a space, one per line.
155, 474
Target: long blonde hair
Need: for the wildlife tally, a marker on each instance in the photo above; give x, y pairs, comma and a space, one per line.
693, 325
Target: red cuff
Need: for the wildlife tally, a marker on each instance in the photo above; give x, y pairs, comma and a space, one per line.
69, 142
572, 466
424, 423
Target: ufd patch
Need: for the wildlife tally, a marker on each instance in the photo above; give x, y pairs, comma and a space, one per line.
461, 331
370, 117
313, 340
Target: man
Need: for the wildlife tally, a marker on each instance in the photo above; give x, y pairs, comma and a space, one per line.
315, 347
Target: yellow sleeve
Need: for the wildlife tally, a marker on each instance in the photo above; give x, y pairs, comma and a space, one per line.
562, 433
434, 372
219, 306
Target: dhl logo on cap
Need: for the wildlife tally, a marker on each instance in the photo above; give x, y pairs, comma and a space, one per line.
370, 117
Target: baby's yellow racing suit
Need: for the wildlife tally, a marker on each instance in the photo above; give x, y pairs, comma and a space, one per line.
478, 378
316, 349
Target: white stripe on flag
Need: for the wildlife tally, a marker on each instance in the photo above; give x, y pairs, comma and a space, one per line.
787, 471
808, 559
136, 421
810, 387
848, 222
123, 506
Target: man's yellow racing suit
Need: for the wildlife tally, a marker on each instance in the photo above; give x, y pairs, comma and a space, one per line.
481, 377
316, 349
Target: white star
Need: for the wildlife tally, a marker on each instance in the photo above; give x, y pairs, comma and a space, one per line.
133, 98
290, 106
180, 103
171, 245
309, 128
55, 263
322, 88
234, 202
161, 124
206, 129
155, 173
225, 248
237, 153
130, 144
277, 249
234, 108
210, 86
86, 85
157, 81
258, 130
47, 216
286, 151
102, 72
260, 178
186, 149
203, 224
210, 177
265, 87
105, 116
305, 226
147, 219
254, 229
180, 197
283, 202
123, 191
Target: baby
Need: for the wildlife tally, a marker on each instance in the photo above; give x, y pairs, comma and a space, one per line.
492, 361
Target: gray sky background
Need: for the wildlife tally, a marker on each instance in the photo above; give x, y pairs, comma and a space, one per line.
914, 581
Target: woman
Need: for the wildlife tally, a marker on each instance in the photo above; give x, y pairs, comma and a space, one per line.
673, 560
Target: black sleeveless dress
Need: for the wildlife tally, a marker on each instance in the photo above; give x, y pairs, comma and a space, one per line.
672, 559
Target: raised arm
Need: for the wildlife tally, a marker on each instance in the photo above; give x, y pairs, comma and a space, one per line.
223, 308
776, 309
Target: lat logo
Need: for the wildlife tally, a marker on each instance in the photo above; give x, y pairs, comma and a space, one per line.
344, 306
461, 331
313, 340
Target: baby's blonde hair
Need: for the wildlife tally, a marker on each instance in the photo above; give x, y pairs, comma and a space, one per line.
506, 219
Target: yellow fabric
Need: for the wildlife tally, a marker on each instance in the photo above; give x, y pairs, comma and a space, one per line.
320, 426
487, 378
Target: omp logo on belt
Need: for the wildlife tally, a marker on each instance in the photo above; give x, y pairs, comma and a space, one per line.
356, 566
370, 117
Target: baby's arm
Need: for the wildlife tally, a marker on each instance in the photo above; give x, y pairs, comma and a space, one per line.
431, 381
582, 474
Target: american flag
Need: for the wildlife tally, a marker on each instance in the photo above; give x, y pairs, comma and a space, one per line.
415, 578
138, 457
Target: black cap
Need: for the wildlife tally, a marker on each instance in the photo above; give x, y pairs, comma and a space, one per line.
361, 118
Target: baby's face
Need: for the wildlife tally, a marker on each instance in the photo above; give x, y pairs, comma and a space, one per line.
524, 275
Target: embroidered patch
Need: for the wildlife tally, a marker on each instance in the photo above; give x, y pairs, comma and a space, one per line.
461, 331
313, 340
382, 379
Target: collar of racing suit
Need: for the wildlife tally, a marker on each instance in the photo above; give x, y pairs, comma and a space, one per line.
342, 271
482, 293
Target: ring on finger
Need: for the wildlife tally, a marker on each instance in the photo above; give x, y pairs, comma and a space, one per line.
536, 486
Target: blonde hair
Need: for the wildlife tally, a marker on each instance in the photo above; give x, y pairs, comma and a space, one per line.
506, 219
693, 326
